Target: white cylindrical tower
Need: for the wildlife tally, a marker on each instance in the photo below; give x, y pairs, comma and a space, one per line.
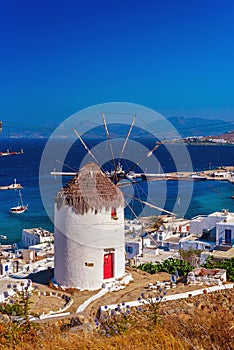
89, 231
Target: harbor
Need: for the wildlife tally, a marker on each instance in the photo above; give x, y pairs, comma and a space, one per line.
221, 174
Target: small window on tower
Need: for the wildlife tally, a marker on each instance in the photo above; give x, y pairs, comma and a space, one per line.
89, 264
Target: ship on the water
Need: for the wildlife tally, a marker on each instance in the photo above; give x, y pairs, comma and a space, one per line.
14, 186
20, 208
8, 153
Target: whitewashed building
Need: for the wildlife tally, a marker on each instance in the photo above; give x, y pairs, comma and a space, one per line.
89, 231
225, 231
206, 224
33, 236
218, 226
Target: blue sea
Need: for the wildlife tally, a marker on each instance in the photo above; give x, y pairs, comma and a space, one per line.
207, 196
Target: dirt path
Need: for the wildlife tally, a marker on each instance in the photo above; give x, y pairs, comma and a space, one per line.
131, 292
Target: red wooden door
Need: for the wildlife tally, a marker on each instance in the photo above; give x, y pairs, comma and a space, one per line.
108, 265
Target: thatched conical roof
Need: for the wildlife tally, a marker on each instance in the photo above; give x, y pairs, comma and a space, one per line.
90, 189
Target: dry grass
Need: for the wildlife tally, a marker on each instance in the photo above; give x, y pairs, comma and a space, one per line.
204, 330
209, 326
133, 340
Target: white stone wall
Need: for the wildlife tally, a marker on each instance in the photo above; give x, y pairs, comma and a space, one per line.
137, 303
80, 241
191, 244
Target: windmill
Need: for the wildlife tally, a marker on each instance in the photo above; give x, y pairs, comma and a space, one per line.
89, 210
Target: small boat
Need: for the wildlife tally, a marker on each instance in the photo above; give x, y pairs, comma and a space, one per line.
8, 153
3, 237
20, 208
198, 177
13, 186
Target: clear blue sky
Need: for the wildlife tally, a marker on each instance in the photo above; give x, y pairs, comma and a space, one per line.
58, 57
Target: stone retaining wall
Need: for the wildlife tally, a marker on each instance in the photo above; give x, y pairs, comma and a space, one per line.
138, 303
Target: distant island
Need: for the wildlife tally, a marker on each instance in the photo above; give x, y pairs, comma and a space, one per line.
191, 130
223, 139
